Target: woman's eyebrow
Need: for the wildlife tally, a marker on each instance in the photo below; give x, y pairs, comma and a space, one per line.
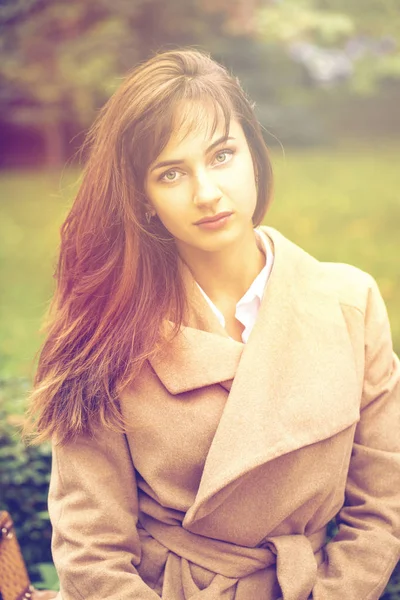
179, 161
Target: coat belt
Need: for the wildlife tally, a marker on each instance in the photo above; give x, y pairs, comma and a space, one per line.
296, 556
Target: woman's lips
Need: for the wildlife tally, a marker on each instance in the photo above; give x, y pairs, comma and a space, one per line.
216, 223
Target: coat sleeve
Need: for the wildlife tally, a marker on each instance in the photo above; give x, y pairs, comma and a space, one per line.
361, 557
93, 508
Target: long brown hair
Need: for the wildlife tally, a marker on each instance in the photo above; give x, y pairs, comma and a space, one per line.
116, 274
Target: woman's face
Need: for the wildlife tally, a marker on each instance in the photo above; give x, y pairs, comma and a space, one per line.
200, 177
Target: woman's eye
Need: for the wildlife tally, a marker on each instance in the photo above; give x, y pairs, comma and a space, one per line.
223, 156
169, 175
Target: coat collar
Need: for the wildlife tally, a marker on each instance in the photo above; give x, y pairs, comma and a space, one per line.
290, 386
203, 353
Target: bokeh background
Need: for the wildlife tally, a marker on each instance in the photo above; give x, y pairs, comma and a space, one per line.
325, 77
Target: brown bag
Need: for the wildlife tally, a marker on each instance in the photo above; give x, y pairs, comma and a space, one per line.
14, 579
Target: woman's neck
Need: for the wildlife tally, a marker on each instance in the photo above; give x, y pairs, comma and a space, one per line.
226, 276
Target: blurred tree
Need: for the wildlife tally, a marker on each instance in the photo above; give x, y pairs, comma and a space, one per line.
290, 20
373, 17
365, 38
60, 61
328, 20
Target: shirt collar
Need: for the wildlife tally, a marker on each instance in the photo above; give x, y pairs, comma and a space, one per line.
257, 288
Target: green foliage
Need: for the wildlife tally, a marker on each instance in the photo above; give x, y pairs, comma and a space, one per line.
333, 23
373, 17
290, 20
48, 577
24, 478
328, 21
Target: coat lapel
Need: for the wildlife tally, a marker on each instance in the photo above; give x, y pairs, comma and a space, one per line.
203, 353
295, 383
196, 359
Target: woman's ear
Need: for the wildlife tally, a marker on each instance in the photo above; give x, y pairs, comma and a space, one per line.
151, 210
149, 213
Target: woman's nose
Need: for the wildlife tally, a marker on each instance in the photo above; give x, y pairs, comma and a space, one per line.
206, 190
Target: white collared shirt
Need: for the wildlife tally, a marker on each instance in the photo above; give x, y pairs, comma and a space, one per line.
248, 306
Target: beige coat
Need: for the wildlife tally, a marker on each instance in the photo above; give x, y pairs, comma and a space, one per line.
244, 453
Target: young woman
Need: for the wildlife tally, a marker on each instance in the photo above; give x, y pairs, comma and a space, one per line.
215, 395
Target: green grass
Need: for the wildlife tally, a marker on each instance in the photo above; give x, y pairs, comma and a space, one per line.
32, 208
339, 204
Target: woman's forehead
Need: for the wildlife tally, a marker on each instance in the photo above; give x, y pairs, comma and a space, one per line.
198, 119
199, 125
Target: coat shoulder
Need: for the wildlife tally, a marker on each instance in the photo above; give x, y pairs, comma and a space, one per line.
352, 285
349, 284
